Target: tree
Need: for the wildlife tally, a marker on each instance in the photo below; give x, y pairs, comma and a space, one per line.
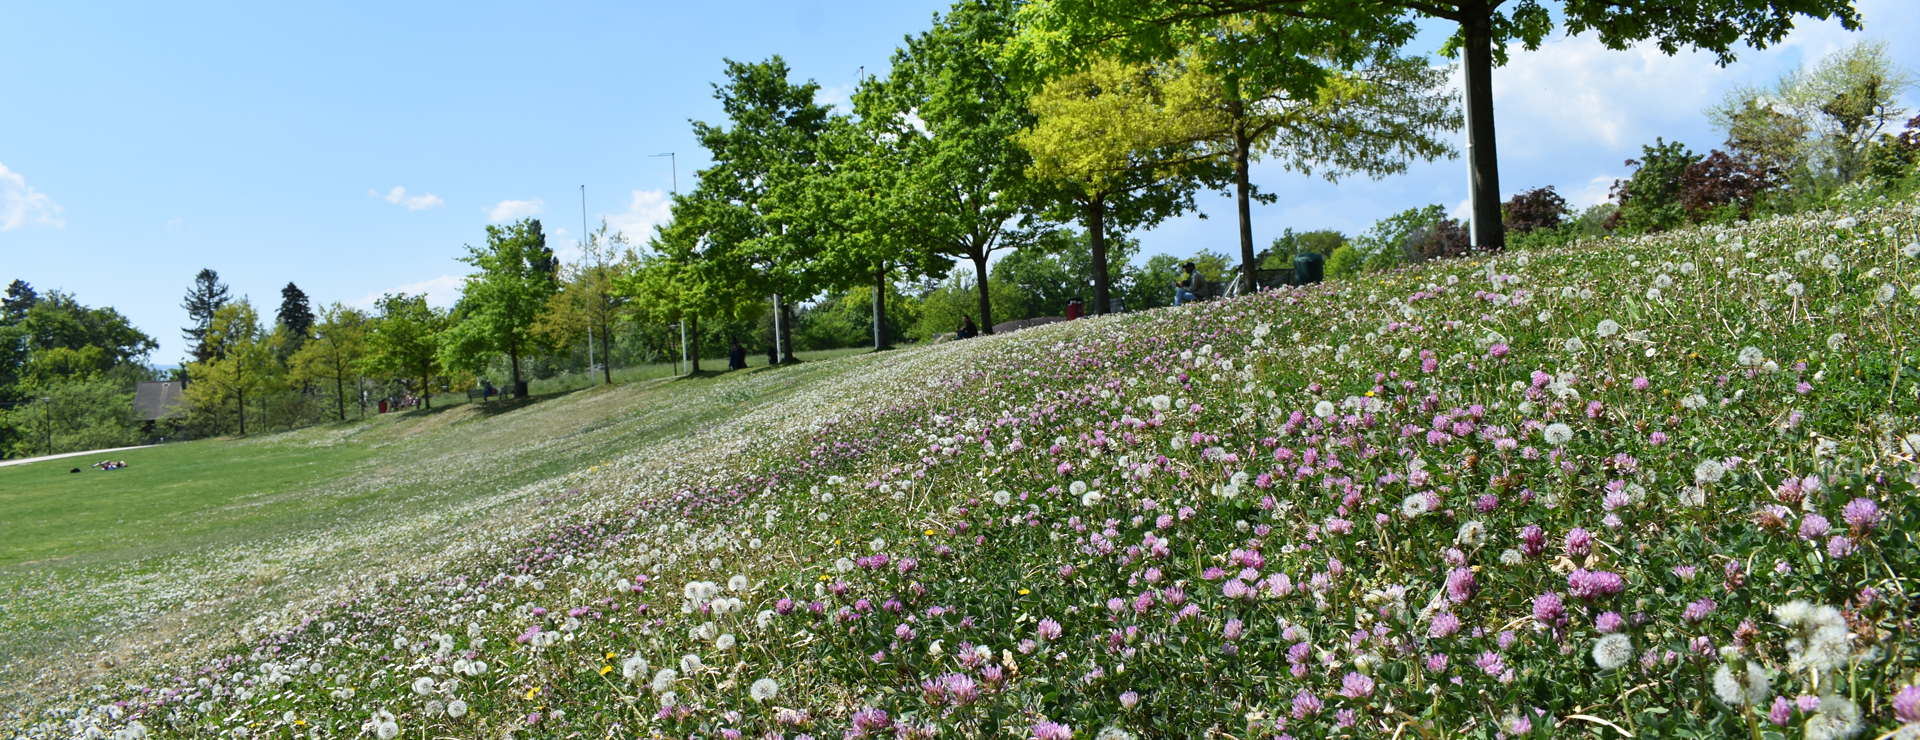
586, 303
1649, 199
1539, 208
20, 297
205, 298
297, 316
405, 341
503, 300
237, 361
1061, 29
1247, 104
768, 152
335, 351
949, 175
1819, 122
1116, 155
1279, 256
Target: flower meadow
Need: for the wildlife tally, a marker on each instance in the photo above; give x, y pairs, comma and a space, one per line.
1657, 487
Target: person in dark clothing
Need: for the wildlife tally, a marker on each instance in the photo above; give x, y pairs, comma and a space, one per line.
736, 357
1188, 289
967, 329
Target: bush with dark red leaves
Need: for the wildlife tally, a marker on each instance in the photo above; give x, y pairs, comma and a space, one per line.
1539, 208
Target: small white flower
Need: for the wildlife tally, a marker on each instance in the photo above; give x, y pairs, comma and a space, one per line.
1693, 401
457, 708
1887, 293
423, 685
663, 680
1575, 346
1413, 506
1692, 497
1795, 289
1077, 487
1091, 498
1607, 328
877, 544
690, 663
1472, 534
844, 565
1727, 688
737, 584
1323, 409
1557, 434
1846, 223
1830, 263
1912, 250
765, 689
1836, 341
1751, 357
634, 667
1002, 498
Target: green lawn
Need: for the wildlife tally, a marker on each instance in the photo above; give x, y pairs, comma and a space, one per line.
169, 497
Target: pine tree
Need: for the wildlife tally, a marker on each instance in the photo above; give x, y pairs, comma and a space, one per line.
297, 316
20, 297
207, 296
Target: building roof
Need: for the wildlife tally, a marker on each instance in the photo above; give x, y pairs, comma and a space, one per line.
162, 399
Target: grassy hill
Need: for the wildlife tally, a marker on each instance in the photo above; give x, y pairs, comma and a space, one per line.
1661, 486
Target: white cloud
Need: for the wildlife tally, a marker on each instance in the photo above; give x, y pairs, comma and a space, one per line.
1577, 91
836, 96
514, 210
441, 292
20, 204
1593, 193
1463, 211
398, 196
649, 208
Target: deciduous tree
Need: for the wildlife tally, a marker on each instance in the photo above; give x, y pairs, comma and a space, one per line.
503, 300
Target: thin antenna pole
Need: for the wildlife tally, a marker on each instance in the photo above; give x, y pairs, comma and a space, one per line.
673, 161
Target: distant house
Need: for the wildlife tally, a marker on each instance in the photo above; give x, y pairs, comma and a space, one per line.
163, 399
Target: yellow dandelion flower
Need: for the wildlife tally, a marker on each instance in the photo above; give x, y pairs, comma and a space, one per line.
929, 533
1024, 592
606, 669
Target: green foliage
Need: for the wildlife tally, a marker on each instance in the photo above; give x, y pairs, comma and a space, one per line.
502, 303
1388, 237
333, 353
81, 413
1649, 199
846, 320
1345, 262
236, 369
409, 341
1279, 256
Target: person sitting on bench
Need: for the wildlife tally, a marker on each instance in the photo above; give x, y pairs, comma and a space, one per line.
1189, 288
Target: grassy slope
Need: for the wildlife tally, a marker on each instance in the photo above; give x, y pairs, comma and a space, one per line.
1463, 370
102, 564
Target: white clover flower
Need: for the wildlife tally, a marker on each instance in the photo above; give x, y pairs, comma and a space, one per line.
1709, 471
1751, 357
457, 708
765, 689
1612, 651
663, 680
1693, 401
1607, 328
1557, 434
1323, 409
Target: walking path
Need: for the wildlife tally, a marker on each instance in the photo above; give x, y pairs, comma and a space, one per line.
4, 463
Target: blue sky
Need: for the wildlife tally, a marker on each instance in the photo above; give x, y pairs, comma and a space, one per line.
354, 148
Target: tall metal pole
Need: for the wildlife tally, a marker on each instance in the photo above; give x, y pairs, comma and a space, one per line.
683, 347
585, 246
673, 162
779, 350
1473, 192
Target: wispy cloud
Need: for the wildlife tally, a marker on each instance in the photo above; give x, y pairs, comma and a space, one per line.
647, 209
398, 196
513, 210
839, 97
441, 292
21, 205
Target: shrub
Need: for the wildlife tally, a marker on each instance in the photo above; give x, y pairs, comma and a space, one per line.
1539, 208
1344, 262
1649, 199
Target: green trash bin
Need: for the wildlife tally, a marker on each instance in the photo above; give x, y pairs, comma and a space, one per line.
1308, 268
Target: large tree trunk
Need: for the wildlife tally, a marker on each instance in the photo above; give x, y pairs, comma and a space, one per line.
1097, 237
979, 258
693, 354
340, 394
242, 397
606, 356
1244, 194
426, 391
880, 308
786, 332
513, 358
1482, 155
